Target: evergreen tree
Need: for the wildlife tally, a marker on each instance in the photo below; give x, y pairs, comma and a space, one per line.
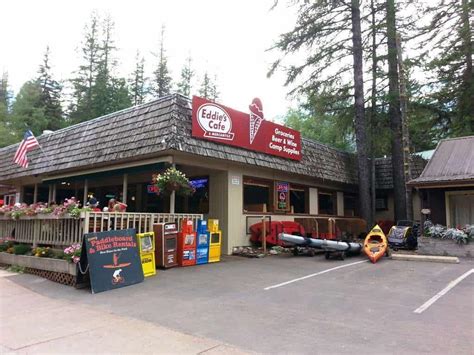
205, 89
28, 111
7, 133
394, 113
102, 98
214, 93
209, 88
162, 79
187, 74
97, 91
81, 108
138, 81
450, 34
330, 33
50, 95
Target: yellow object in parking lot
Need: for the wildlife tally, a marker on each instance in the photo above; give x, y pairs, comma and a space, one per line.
215, 240
146, 245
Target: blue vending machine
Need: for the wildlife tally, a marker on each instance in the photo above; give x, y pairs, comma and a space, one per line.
202, 243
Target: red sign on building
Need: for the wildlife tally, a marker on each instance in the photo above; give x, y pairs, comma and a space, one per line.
224, 125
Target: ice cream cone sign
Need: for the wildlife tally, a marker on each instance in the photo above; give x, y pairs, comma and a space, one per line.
256, 117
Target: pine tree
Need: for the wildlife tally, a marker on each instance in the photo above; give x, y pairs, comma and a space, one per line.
205, 89
450, 34
214, 92
102, 91
162, 79
329, 33
97, 91
50, 95
81, 108
138, 81
9, 136
28, 111
394, 113
187, 74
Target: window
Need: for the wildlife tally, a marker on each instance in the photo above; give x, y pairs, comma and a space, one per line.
350, 206
198, 202
381, 202
257, 195
299, 199
327, 204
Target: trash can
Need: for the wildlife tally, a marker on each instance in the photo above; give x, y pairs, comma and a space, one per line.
187, 244
215, 240
202, 243
166, 245
146, 246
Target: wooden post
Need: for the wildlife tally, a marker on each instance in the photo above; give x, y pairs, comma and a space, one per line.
172, 197
53, 196
86, 188
124, 188
264, 236
35, 194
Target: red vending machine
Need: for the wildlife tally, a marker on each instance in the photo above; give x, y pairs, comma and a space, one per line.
166, 244
187, 244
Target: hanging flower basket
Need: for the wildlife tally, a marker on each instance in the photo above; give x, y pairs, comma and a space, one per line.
172, 180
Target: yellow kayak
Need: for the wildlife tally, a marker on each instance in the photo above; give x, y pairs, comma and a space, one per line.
375, 244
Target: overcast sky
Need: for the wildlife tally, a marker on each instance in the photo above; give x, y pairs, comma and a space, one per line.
229, 38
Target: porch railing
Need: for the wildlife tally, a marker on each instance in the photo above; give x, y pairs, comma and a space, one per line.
63, 231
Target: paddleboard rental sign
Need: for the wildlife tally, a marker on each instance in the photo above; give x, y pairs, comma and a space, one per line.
111, 259
224, 125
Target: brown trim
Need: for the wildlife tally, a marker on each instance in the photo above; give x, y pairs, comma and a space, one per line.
442, 184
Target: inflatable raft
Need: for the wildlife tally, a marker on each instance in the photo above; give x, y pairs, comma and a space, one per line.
375, 244
330, 246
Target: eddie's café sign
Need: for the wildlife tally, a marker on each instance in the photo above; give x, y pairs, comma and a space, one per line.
218, 123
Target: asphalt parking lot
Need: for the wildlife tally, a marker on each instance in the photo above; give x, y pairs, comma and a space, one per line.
287, 304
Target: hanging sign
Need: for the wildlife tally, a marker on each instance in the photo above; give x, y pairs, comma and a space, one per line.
224, 125
111, 259
282, 196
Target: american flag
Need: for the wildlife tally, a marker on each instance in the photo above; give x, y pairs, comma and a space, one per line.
28, 143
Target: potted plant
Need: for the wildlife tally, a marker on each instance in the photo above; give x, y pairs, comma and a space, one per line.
173, 180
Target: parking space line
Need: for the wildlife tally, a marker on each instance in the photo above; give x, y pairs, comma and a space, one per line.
312, 275
440, 294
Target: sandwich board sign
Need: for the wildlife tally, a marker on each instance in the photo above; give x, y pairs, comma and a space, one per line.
111, 259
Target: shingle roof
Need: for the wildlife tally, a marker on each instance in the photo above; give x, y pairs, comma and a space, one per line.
451, 163
383, 171
150, 129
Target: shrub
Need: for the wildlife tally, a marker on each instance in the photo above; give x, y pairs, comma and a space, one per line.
43, 252
21, 249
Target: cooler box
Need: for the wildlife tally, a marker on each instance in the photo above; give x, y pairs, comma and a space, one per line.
166, 252
202, 243
215, 240
187, 244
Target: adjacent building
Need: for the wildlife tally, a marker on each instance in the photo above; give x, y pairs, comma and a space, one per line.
446, 185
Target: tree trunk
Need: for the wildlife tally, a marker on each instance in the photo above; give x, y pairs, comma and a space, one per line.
360, 124
407, 163
466, 111
373, 111
399, 187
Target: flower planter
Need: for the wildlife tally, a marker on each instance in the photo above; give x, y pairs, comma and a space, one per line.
34, 262
444, 247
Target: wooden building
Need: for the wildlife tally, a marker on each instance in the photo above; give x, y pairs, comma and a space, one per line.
116, 155
446, 184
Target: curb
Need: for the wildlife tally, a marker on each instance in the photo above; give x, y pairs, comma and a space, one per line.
430, 258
